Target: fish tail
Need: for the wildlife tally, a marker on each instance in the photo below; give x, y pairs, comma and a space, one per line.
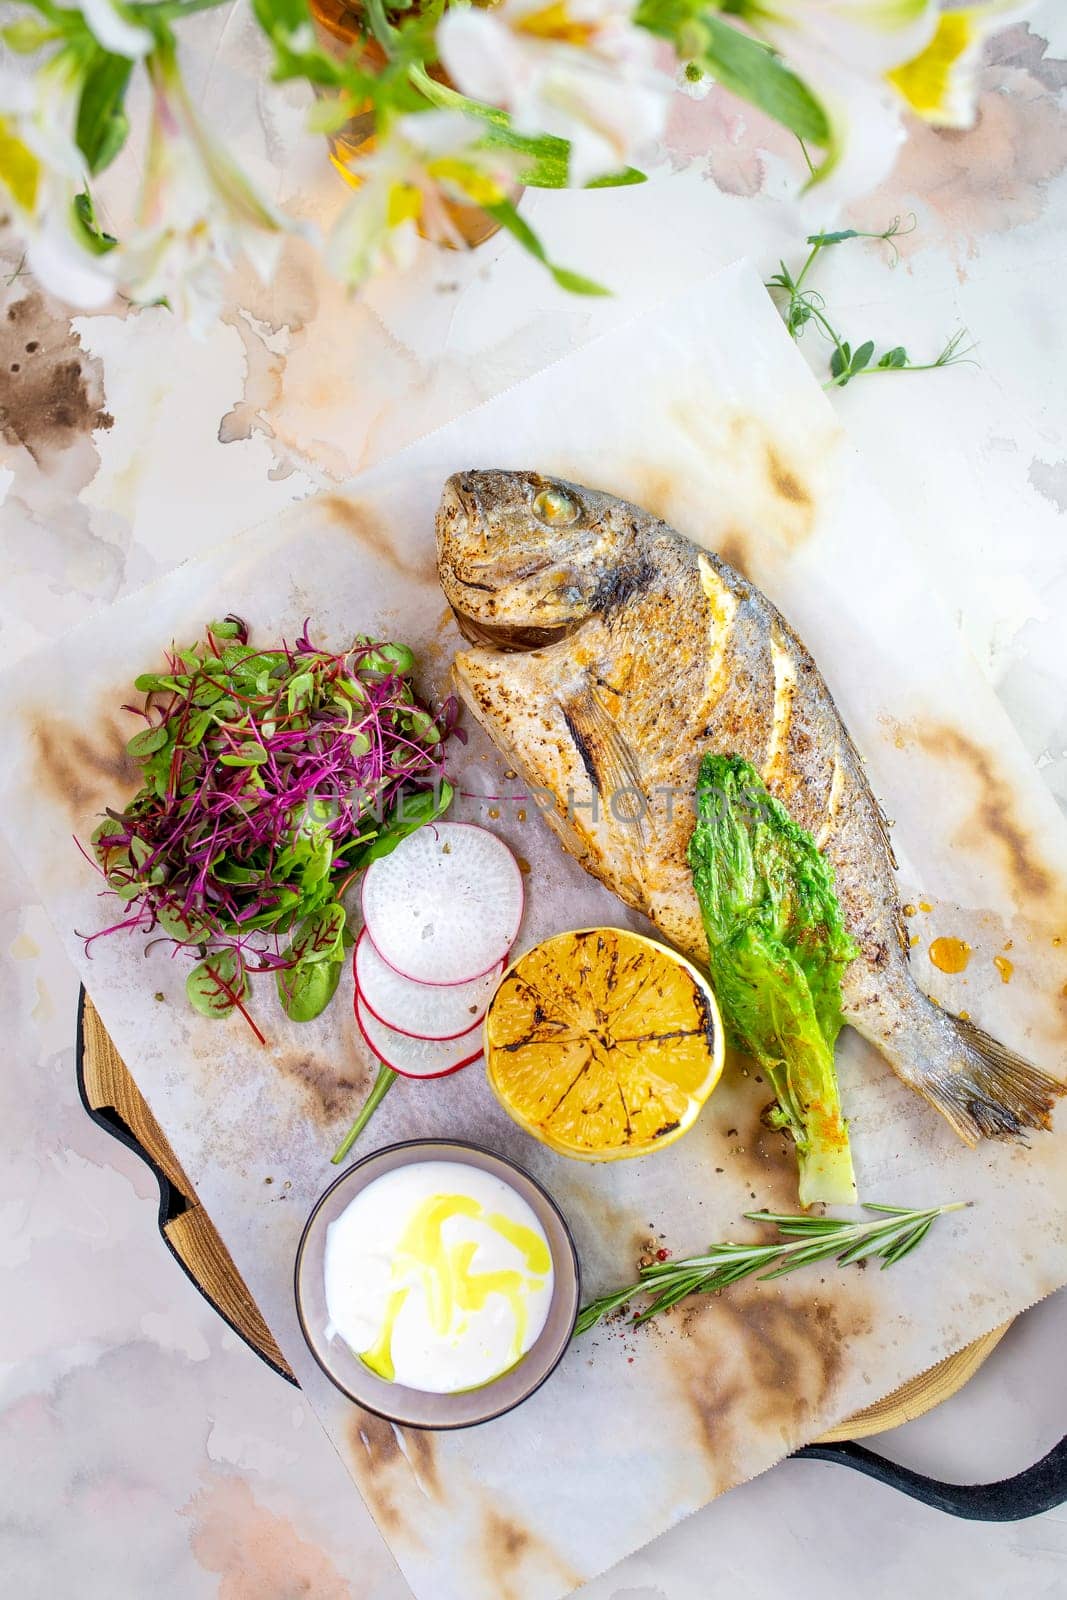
983, 1089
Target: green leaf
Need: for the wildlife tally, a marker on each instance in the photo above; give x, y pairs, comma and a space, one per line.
248, 754
777, 948
740, 63
144, 743
834, 238
317, 861
548, 157
307, 989
840, 360
102, 125
231, 872
509, 219
286, 14
149, 682
286, 24
93, 236
185, 926
319, 937
197, 727
895, 358
27, 35
301, 689
228, 628
414, 813
216, 984
862, 356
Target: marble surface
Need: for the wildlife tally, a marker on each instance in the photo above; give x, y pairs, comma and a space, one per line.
143, 1449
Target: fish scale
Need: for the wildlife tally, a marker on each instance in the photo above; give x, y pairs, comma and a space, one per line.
610, 654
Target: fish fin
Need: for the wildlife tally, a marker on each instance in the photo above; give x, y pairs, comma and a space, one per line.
990, 1092
609, 760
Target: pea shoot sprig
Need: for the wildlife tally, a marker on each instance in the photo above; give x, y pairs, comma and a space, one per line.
890, 1236
805, 306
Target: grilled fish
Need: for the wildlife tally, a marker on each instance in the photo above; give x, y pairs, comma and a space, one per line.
610, 653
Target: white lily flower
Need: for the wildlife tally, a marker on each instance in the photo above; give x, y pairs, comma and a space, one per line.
580, 69
868, 61
842, 49
196, 213
110, 29
867, 128
427, 159
41, 172
940, 83
867, 37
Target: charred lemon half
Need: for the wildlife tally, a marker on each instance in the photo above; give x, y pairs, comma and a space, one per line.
603, 1044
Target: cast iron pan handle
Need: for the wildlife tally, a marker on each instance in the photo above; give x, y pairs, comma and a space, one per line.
1039, 1488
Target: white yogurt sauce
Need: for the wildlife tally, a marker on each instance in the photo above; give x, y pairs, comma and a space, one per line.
438, 1276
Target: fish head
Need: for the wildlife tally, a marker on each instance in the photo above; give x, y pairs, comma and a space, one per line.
525, 559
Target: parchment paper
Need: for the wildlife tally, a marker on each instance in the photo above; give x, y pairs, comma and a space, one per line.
705, 413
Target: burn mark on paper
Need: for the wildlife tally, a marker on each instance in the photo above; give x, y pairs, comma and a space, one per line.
994, 814
506, 1547
51, 390
83, 773
390, 1465
785, 482
757, 1363
378, 541
331, 1088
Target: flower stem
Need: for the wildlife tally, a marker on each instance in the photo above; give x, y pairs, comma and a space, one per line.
380, 26
382, 1084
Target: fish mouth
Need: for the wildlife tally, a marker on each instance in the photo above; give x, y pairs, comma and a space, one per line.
512, 637
468, 574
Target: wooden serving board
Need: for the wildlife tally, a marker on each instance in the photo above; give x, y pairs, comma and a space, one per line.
114, 1101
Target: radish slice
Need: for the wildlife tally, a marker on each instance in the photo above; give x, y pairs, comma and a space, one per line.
422, 1010
417, 1058
446, 905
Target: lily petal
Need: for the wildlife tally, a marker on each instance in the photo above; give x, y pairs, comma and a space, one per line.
940, 84
111, 29
67, 270
868, 36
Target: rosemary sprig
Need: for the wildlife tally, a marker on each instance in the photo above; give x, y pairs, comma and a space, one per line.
889, 1236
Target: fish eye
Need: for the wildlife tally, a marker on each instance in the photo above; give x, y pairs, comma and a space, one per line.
556, 508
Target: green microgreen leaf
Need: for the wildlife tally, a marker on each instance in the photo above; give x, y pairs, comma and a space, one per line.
307, 989
261, 788
144, 743
217, 984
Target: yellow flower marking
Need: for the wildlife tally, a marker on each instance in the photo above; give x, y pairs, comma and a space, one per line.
479, 187
928, 82
555, 22
405, 205
20, 167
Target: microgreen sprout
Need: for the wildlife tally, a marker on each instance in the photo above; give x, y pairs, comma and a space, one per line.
270, 778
